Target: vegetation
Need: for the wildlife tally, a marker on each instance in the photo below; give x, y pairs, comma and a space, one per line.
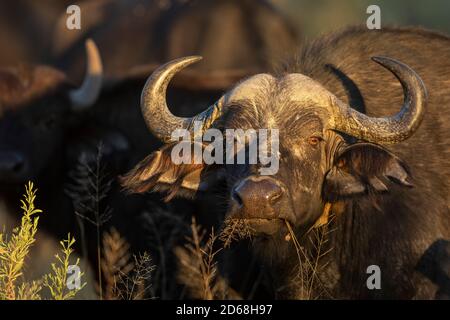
181, 248
14, 249
129, 277
126, 278
198, 267
90, 188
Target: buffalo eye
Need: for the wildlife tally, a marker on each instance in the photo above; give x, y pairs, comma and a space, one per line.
341, 163
314, 141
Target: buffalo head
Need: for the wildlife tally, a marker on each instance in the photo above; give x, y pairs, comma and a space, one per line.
35, 107
327, 150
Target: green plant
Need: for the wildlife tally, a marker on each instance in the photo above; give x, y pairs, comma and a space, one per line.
14, 251
57, 282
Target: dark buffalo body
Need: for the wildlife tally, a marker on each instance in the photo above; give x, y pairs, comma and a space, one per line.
43, 120
391, 230
137, 33
165, 31
375, 187
25, 26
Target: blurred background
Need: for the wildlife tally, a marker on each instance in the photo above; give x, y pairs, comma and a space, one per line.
36, 22
316, 17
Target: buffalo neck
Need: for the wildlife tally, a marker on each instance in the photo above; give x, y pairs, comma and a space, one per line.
332, 261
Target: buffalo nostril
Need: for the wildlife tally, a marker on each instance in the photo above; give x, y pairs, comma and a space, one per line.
237, 198
260, 195
275, 197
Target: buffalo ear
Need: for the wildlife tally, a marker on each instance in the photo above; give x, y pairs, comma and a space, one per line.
157, 172
362, 168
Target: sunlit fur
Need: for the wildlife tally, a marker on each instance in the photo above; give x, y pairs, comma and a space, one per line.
382, 220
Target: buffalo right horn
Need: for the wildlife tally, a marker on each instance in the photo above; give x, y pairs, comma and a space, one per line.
158, 118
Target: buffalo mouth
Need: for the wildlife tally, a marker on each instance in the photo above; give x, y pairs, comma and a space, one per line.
241, 228
263, 226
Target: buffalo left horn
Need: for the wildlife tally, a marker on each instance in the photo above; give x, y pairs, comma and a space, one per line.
386, 130
158, 118
87, 94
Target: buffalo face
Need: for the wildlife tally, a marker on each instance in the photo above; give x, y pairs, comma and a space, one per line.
36, 105
327, 151
30, 136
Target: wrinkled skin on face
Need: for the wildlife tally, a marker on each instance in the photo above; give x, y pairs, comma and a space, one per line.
302, 144
314, 165
314, 168
324, 168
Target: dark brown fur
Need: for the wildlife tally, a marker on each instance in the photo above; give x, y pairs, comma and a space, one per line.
384, 221
395, 230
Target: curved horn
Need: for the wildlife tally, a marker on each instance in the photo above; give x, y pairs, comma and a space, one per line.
387, 129
160, 121
89, 91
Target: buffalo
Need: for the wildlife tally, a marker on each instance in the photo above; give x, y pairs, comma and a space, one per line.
363, 155
46, 134
49, 156
39, 110
250, 47
254, 34
17, 18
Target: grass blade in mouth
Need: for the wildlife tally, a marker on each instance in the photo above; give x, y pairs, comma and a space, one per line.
235, 230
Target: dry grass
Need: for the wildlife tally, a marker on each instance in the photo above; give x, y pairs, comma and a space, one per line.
91, 186
311, 250
235, 230
14, 250
306, 282
136, 284
198, 269
123, 275
127, 277
165, 230
116, 261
